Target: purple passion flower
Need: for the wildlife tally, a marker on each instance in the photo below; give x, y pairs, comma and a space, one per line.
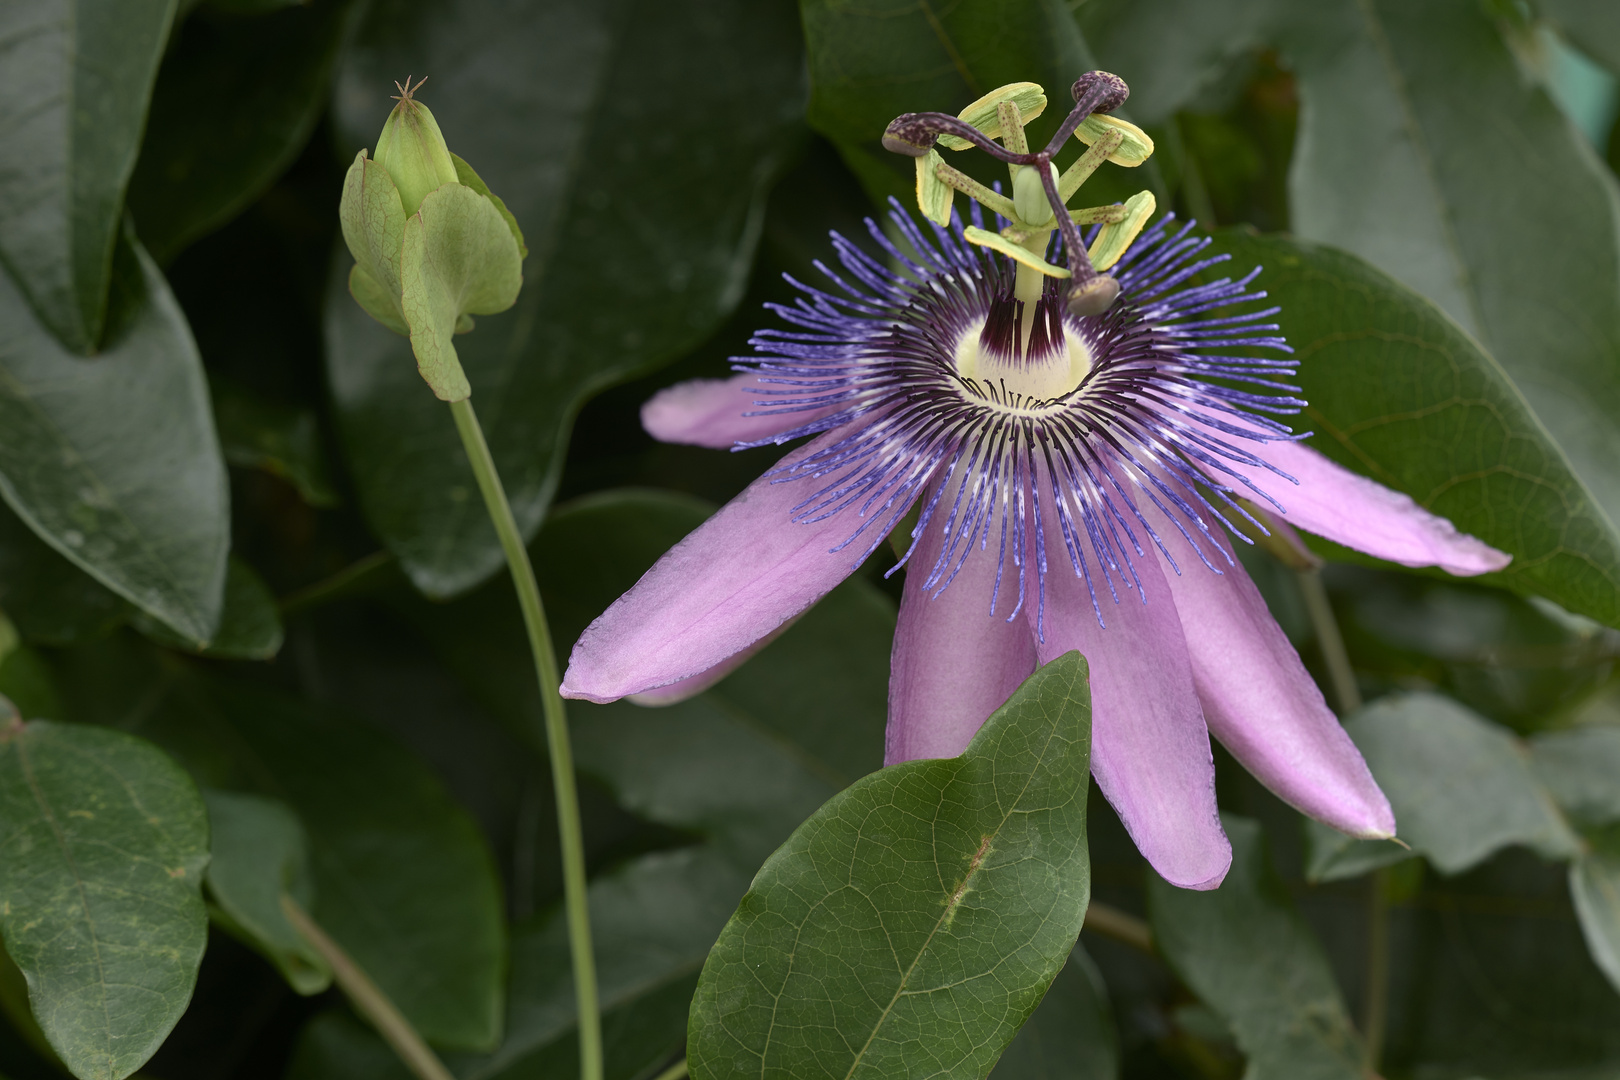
1069, 470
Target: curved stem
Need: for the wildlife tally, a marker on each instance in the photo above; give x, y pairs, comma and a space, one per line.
556, 736
390, 1023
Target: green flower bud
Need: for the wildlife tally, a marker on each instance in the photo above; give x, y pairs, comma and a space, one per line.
412, 149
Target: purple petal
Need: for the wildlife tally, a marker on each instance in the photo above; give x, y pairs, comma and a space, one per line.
954, 662
737, 578
709, 412
1149, 747
1262, 704
1349, 509
694, 685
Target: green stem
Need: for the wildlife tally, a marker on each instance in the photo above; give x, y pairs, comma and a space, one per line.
676, 1071
1343, 677
375, 1005
562, 758
1375, 1002
1120, 925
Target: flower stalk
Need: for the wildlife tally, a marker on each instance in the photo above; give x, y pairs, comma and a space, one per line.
557, 742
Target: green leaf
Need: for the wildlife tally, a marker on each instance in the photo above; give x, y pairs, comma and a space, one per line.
1437, 92
283, 440
457, 258
50, 600
1399, 393
1593, 26
642, 221
258, 855
1071, 1036
1249, 956
1404, 114
912, 925
1581, 769
1461, 788
403, 879
871, 62
1594, 885
101, 868
235, 101
113, 460
75, 76
249, 627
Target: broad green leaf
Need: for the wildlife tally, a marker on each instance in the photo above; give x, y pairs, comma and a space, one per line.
1594, 885
1424, 149
1399, 393
249, 627
641, 209
236, 100
106, 840
911, 926
403, 879
50, 600
258, 854
458, 258
1071, 1036
1593, 26
1461, 788
113, 460
1249, 956
1520, 246
283, 440
1581, 769
75, 76
871, 62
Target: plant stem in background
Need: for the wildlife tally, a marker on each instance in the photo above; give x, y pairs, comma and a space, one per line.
390, 1023
1347, 695
1120, 925
556, 736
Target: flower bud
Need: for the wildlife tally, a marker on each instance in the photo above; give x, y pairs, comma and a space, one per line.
412, 149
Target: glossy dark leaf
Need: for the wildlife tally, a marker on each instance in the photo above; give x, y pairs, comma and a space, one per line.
1071, 1036
1250, 957
50, 600
106, 840
871, 62
259, 854
1399, 393
75, 77
1461, 787
637, 251
403, 879
1593, 26
911, 926
283, 440
249, 626
113, 460
236, 99
1579, 768
1594, 883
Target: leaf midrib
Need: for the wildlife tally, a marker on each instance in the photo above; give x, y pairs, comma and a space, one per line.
950, 909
